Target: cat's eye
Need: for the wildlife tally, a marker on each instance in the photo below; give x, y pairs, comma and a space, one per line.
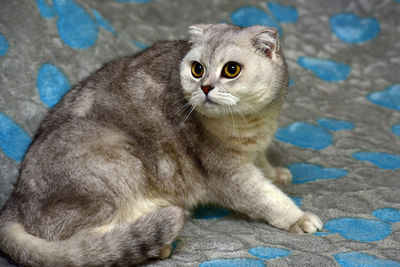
197, 70
230, 70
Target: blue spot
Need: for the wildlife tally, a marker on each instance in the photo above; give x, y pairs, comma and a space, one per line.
326, 70
250, 16
388, 98
233, 263
291, 81
174, 245
396, 129
306, 172
3, 45
210, 212
356, 259
140, 45
349, 28
335, 125
382, 160
297, 200
14, 141
357, 229
283, 13
267, 253
305, 135
45, 10
75, 26
389, 215
138, 1
52, 84
102, 22
322, 233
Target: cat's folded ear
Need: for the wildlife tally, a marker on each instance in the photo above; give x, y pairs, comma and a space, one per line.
197, 31
266, 40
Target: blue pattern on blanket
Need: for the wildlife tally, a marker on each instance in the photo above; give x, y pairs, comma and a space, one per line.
327, 70
249, 16
365, 230
335, 125
356, 259
359, 229
396, 129
52, 84
380, 159
210, 212
233, 263
283, 13
297, 200
305, 135
307, 172
140, 45
14, 141
3, 45
102, 22
389, 215
46, 10
269, 253
351, 29
388, 98
75, 25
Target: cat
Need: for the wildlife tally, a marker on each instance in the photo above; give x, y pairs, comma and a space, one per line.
116, 164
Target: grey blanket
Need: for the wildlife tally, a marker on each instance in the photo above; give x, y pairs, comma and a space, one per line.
339, 130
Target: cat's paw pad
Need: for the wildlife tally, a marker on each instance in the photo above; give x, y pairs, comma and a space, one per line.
308, 223
283, 176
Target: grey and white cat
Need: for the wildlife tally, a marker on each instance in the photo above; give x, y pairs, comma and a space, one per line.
115, 164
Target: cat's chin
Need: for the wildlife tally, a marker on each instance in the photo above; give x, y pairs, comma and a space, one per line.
211, 109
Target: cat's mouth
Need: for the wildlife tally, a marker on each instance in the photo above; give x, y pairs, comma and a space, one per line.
210, 101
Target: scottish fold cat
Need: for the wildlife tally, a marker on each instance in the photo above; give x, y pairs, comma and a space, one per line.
116, 163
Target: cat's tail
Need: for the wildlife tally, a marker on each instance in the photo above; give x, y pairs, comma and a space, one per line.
149, 237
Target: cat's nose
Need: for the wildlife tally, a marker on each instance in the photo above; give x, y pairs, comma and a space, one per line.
206, 88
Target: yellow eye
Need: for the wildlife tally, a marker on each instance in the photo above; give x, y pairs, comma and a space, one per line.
231, 70
197, 70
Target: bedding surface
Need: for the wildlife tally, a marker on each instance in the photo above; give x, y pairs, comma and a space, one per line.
339, 129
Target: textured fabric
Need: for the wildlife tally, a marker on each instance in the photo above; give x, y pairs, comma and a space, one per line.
339, 130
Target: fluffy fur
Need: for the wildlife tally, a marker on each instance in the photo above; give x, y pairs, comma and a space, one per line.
115, 164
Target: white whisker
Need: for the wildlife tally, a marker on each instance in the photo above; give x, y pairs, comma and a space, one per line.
240, 113
225, 114
252, 108
233, 120
187, 116
176, 112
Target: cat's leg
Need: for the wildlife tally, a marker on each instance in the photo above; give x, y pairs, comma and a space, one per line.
277, 175
248, 191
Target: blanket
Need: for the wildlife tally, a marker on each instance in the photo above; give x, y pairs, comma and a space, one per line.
339, 132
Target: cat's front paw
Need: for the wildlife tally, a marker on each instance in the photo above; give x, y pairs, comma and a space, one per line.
282, 176
308, 223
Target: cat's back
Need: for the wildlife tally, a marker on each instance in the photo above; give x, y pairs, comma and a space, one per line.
122, 86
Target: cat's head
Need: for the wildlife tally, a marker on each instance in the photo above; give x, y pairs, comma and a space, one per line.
233, 69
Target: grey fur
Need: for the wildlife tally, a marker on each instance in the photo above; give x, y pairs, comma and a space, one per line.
115, 163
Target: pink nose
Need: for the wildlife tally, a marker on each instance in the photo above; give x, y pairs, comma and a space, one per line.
206, 89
